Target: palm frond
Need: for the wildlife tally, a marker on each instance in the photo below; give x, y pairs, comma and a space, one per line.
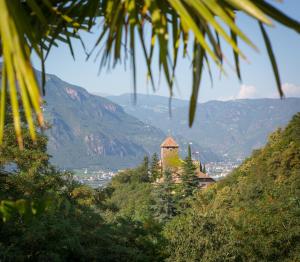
36, 25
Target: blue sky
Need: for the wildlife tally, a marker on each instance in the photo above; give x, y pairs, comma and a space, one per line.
258, 80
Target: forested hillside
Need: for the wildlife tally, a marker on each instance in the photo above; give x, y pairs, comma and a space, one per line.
153, 209
252, 215
47, 216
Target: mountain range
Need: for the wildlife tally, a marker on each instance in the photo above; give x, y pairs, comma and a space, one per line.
92, 131
88, 130
231, 129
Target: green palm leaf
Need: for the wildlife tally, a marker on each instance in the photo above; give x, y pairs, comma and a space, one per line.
34, 26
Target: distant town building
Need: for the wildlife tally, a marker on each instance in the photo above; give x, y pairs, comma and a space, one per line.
171, 161
204, 179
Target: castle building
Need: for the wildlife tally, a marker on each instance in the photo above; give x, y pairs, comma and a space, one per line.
169, 153
171, 161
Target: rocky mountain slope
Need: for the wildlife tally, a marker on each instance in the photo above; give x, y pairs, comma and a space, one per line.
231, 129
91, 131
88, 130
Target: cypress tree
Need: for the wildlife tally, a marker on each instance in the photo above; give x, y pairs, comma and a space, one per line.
189, 151
204, 169
146, 163
144, 170
189, 178
154, 168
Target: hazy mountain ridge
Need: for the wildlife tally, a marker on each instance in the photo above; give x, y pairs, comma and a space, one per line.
231, 129
89, 130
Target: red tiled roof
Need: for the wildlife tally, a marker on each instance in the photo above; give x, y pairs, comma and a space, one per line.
202, 175
169, 142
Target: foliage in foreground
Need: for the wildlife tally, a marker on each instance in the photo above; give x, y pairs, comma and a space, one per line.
47, 216
252, 215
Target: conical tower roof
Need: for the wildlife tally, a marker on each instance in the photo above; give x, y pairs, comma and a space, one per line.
169, 142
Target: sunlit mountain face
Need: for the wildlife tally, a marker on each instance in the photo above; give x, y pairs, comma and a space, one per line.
91, 131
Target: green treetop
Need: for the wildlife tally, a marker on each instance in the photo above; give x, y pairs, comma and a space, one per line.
154, 168
145, 169
189, 151
204, 169
189, 178
164, 207
33, 158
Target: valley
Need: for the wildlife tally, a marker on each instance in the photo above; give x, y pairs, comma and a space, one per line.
89, 131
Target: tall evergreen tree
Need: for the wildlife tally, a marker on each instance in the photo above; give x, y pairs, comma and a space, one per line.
144, 170
189, 178
154, 168
163, 193
189, 151
204, 169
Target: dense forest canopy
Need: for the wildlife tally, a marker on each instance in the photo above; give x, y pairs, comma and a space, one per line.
251, 215
196, 27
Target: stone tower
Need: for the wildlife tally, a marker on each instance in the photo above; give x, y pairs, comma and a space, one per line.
169, 154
